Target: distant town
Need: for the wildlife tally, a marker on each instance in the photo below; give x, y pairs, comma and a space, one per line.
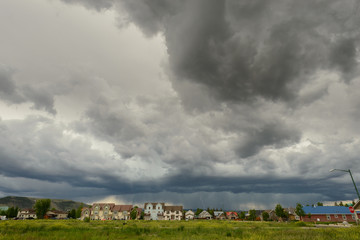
337, 212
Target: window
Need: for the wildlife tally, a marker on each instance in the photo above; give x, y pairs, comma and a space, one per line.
353, 217
106, 213
344, 216
328, 217
96, 212
336, 216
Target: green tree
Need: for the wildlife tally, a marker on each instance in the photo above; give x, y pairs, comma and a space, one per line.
279, 211
72, 214
252, 215
320, 204
299, 210
242, 215
78, 211
198, 211
133, 213
11, 212
265, 215
341, 204
41, 207
336, 204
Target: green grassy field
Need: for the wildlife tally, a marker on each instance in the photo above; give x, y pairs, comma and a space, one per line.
74, 229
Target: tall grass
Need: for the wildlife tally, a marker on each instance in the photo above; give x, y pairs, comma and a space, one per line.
73, 229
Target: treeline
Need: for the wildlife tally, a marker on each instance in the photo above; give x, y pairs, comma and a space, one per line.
10, 213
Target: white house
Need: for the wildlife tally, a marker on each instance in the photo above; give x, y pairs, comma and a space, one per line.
204, 215
154, 211
189, 215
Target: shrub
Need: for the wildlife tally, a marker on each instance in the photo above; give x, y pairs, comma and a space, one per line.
301, 224
87, 219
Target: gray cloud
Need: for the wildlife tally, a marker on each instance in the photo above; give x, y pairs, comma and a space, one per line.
273, 135
265, 101
93, 4
240, 51
8, 88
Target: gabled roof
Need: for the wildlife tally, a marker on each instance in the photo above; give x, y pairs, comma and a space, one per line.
102, 205
154, 204
326, 210
218, 213
229, 213
122, 208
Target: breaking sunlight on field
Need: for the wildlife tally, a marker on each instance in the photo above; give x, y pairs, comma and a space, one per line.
74, 229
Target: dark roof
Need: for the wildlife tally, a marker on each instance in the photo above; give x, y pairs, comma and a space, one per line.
173, 208
121, 208
326, 210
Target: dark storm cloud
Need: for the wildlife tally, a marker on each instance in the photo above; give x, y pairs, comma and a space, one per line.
243, 50
247, 49
273, 134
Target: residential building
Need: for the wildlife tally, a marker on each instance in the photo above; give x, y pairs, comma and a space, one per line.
27, 214
232, 215
101, 211
121, 212
173, 212
189, 215
108, 211
204, 215
154, 211
328, 214
219, 215
56, 214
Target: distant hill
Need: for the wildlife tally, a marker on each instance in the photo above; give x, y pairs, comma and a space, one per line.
26, 202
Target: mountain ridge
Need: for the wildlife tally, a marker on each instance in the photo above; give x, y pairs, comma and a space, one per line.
28, 202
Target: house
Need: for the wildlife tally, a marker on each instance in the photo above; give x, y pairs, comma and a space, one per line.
107, 211
101, 211
56, 214
154, 211
291, 213
121, 212
219, 215
86, 213
173, 212
232, 215
328, 214
189, 215
27, 214
204, 215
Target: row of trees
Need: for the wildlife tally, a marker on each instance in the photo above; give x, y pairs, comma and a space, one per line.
10, 213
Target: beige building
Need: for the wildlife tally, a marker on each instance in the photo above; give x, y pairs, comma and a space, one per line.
56, 214
108, 211
173, 212
27, 214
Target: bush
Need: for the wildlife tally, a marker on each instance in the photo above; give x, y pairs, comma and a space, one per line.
301, 224
87, 219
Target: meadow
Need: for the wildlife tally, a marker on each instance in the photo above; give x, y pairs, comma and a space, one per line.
75, 229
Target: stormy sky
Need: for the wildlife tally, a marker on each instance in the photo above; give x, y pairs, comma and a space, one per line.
206, 103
